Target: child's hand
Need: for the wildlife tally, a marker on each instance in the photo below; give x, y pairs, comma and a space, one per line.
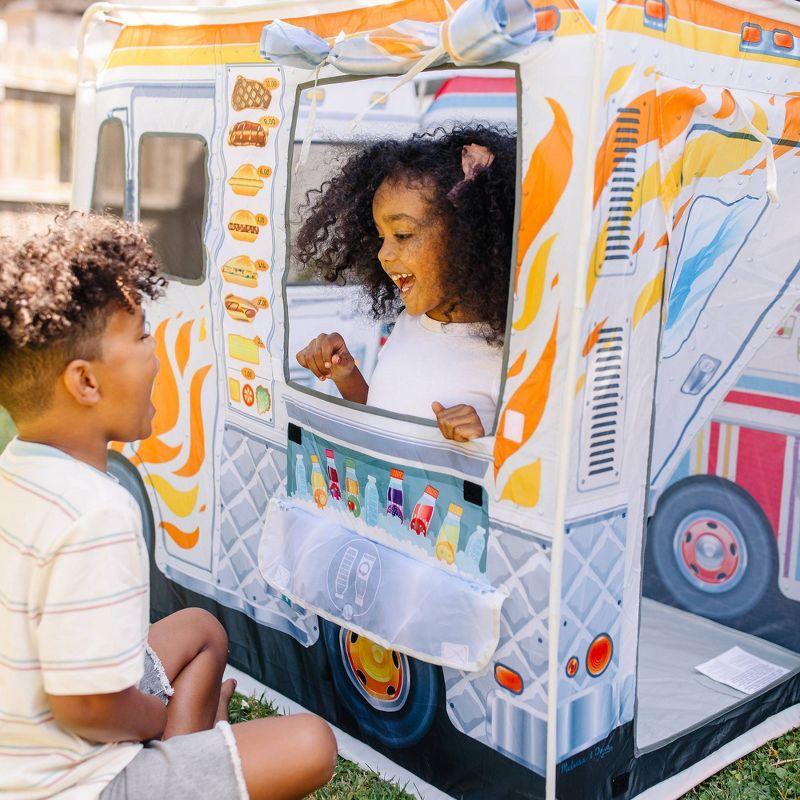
459, 423
327, 356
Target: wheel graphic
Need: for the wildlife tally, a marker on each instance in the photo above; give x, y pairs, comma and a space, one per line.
393, 698
711, 547
711, 551
379, 674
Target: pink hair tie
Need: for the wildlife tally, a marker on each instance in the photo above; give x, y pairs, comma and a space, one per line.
475, 158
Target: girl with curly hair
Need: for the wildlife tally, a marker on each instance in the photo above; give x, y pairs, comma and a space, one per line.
426, 227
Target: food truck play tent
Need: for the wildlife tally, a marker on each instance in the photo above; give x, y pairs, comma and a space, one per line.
636, 511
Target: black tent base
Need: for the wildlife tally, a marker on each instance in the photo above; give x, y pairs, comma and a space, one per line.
458, 765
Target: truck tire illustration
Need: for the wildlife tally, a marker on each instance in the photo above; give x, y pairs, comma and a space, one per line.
391, 696
711, 547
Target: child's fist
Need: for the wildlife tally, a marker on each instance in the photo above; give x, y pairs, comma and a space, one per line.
327, 356
459, 423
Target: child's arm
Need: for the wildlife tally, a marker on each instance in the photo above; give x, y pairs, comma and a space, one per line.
126, 716
459, 423
327, 356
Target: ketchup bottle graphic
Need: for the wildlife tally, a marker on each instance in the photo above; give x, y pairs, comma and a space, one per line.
423, 511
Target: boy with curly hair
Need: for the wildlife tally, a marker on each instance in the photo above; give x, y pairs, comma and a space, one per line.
95, 702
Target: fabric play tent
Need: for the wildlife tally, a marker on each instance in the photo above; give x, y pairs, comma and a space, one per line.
648, 435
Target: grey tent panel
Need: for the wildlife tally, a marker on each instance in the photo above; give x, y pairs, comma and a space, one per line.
672, 696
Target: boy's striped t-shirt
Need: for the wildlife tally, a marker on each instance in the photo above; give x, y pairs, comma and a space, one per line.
74, 614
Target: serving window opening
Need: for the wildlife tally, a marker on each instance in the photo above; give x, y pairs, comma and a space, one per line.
400, 234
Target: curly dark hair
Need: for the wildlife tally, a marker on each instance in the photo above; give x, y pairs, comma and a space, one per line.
55, 295
339, 240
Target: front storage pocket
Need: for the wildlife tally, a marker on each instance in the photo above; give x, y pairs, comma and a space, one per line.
425, 611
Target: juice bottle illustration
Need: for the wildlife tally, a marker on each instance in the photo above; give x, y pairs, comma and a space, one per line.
300, 478
476, 545
394, 494
333, 477
371, 501
447, 540
318, 486
423, 511
352, 488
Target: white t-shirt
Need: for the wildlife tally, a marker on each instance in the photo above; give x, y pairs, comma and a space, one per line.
425, 361
74, 616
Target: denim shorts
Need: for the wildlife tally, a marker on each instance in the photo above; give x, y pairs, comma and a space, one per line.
197, 766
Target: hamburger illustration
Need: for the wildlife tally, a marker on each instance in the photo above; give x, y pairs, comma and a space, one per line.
245, 181
243, 226
242, 271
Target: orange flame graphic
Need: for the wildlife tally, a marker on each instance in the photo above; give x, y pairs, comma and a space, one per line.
184, 540
591, 339
527, 404
197, 446
169, 397
544, 182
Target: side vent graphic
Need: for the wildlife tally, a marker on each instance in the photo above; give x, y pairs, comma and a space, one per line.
623, 179
604, 409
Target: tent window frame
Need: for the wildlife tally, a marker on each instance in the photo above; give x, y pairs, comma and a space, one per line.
374, 410
200, 277
108, 121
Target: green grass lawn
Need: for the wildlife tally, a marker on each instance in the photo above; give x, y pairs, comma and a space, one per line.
771, 773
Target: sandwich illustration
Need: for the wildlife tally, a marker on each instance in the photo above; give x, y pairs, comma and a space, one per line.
240, 309
250, 94
243, 225
245, 181
242, 271
247, 133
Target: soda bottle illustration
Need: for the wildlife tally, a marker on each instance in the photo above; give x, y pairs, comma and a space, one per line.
447, 540
394, 494
319, 489
423, 511
300, 478
371, 501
476, 544
352, 488
333, 477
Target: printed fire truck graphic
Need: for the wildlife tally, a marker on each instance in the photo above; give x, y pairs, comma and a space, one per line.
726, 531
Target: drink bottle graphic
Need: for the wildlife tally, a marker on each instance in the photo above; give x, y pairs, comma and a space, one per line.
371, 501
319, 489
447, 540
476, 544
394, 494
352, 488
423, 511
300, 478
333, 477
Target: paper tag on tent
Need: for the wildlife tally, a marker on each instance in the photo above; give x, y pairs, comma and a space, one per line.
742, 670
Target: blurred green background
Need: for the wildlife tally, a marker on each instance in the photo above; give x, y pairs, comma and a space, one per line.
7, 429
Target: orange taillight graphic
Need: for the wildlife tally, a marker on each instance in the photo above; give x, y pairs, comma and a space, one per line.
547, 19
598, 656
508, 678
751, 34
783, 39
657, 9
572, 667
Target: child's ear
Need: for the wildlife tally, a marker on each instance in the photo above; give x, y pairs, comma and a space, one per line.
81, 383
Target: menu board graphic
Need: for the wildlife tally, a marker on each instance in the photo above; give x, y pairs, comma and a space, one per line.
252, 99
